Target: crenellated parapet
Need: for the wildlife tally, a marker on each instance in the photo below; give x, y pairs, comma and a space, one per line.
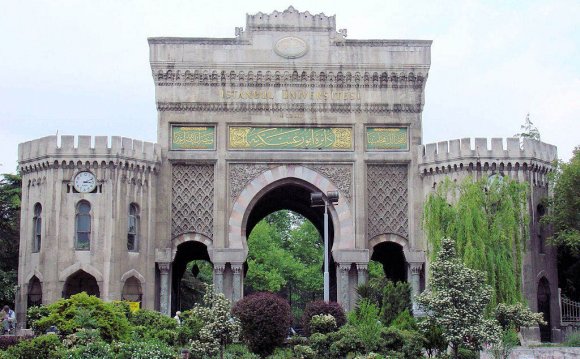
88, 151
290, 19
458, 155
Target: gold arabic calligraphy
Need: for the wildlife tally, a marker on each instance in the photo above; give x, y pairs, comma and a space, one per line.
274, 138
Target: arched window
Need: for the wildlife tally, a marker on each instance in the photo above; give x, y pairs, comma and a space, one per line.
34, 292
36, 228
83, 226
132, 290
133, 228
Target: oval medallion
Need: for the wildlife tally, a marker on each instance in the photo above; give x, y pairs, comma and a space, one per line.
291, 47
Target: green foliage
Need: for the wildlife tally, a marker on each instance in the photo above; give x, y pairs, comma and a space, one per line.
191, 287
190, 327
573, 339
33, 315
503, 348
396, 343
528, 130
564, 213
456, 301
285, 256
44, 346
365, 319
348, 342
323, 323
219, 327
10, 194
82, 311
154, 325
304, 352
433, 340
322, 307
239, 351
150, 349
488, 220
391, 298
265, 319
404, 321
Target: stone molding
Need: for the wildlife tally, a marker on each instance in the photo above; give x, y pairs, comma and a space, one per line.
246, 107
377, 79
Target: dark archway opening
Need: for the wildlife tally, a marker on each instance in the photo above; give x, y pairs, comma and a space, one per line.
81, 281
294, 196
191, 268
132, 291
544, 308
34, 292
390, 255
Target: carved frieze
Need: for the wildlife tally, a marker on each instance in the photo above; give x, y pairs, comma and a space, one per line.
339, 175
264, 79
387, 200
241, 174
292, 107
192, 200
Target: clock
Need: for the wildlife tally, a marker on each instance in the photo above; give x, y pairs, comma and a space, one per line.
85, 182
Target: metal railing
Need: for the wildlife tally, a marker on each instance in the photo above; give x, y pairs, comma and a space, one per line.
569, 310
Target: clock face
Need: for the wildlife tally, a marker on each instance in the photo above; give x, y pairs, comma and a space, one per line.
85, 182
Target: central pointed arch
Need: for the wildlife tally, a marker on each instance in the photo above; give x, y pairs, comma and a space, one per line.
340, 213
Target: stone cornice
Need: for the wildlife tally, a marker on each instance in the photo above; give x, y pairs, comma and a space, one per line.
339, 79
292, 107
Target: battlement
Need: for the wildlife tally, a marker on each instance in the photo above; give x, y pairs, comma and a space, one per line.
460, 150
290, 19
88, 146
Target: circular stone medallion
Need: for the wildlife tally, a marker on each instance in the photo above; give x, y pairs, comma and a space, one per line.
291, 47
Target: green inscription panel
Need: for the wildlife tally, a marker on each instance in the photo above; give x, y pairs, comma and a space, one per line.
290, 138
192, 138
387, 138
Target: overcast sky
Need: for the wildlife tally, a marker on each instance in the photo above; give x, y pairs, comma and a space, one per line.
82, 67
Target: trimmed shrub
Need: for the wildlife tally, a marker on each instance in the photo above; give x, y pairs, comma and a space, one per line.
304, 352
265, 319
322, 307
82, 311
404, 321
152, 319
44, 346
6, 341
95, 350
401, 343
350, 342
322, 323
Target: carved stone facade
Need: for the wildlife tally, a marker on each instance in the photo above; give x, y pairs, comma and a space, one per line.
192, 200
387, 202
326, 114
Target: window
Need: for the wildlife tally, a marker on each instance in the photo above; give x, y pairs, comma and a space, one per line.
133, 228
36, 228
83, 226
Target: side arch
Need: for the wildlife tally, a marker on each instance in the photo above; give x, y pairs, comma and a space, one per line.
34, 273
341, 213
64, 274
192, 237
393, 238
132, 273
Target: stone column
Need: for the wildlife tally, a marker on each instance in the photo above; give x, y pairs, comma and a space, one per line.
218, 277
164, 307
415, 282
362, 273
237, 282
342, 285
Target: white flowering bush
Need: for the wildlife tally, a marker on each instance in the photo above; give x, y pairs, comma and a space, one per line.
456, 301
144, 350
322, 323
219, 326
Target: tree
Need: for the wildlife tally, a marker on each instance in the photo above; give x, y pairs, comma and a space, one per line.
488, 220
456, 301
528, 130
564, 213
10, 194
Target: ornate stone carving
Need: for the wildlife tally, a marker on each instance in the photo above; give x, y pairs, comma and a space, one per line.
416, 268
387, 200
292, 107
193, 197
241, 174
340, 175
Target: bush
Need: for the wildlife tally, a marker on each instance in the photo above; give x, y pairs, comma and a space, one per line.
573, 339
189, 329
82, 311
322, 323
152, 319
322, 307
6, 341
265, 319
304, 352
391, 298
366, 321
95, 350
239, 351
433, 340
33, 315
151, 349
44, 346
349, 341
404, 321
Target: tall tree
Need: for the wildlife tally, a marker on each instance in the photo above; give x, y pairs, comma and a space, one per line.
488, 220
10, 195
528, 130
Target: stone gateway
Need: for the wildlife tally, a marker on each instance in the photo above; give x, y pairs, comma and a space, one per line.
247, 126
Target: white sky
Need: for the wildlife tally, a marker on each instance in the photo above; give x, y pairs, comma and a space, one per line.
82, 67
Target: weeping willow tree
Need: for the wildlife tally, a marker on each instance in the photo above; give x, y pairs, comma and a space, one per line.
488, 220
